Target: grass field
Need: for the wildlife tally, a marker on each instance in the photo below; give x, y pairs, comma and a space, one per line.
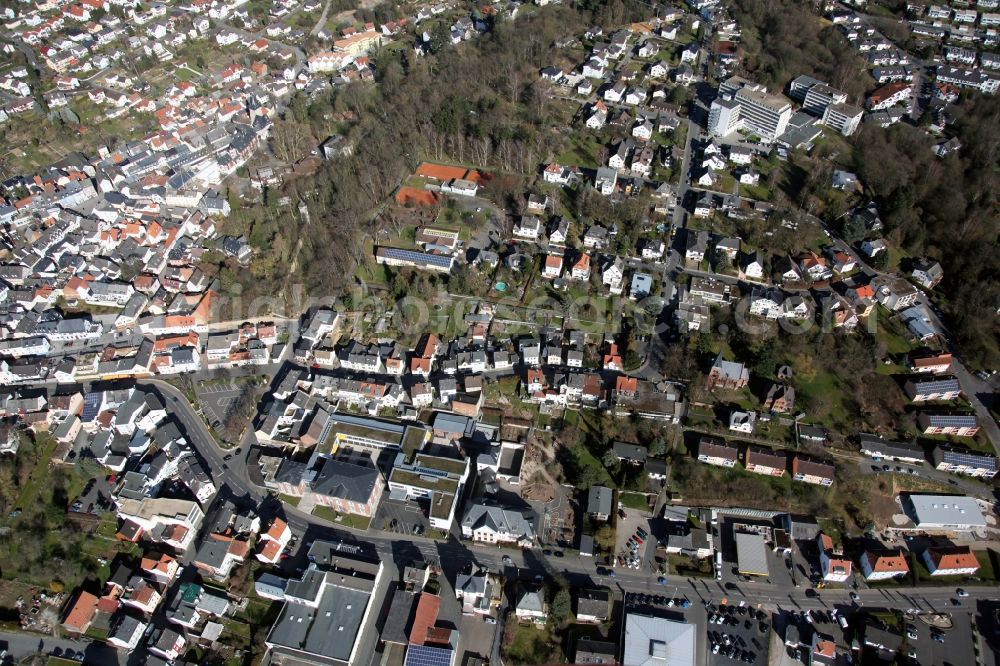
634, 501
529, 644
343, 519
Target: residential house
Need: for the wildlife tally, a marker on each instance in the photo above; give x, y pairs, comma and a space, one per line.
715, 451
593, 605
882, 449
696, 246
531, 605
928, 274
495, 525
600, 502
613, 274
766, 461
743, 422
780, 398
884, 564
632, 454
810, 470
937, 364
728, 374
927, 390
962, 461
834, 567
960, 425
950, 561
553, 266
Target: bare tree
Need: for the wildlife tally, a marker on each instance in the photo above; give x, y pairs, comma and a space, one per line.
290, 141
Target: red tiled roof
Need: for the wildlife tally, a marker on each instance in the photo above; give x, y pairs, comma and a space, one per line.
425, 617
81, 613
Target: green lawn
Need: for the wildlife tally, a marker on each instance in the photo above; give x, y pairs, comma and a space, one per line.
96, 633
529, 644
824, 394
583, 151
634, 501
891, 332
682, 565
288, 499
987, 571
343, 519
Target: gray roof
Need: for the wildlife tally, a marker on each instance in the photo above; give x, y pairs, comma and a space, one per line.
212, 552
599, 500
656, 641
346, 480
531, 600
947, 510
328, 631
594, 601
501, 520
890, 449
455, 424
751, 553
632, 452
399, 617
471, 584
943, 385
964, 457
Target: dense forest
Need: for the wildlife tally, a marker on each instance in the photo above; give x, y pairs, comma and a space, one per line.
945, 209
482, 103
783, 38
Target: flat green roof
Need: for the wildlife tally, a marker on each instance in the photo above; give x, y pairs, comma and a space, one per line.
441, 485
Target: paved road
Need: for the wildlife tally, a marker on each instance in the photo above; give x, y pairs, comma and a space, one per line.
20, 646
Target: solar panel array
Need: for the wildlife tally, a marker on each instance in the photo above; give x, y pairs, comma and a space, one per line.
91, 406
426, 655
937, 386
969, 459
952, 420
437, 260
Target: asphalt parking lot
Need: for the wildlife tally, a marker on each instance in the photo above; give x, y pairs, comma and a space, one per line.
956, 646
737, 635
401, 517
215, 401
625, 528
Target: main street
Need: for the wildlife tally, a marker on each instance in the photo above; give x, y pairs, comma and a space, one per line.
453, 555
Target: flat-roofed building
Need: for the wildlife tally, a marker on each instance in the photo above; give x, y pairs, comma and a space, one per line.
370, 434
437, 480
658, 641
751, 554
329, 613
944, 512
